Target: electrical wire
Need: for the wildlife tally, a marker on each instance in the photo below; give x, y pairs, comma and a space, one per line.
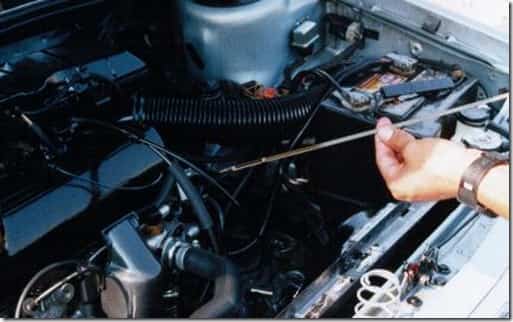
325, 75
161, 148
332, 85
25, 94
238, 190
219, 210
264, 225
344, 93
107, 186
337, 197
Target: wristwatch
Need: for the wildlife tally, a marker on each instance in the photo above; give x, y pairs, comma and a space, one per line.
474, 174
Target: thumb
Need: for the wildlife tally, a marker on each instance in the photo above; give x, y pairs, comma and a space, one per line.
395, 139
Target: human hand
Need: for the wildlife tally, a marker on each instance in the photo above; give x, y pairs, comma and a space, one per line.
420, 170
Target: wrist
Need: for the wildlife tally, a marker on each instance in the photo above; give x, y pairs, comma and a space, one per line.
458, 168
494, 185
482, 184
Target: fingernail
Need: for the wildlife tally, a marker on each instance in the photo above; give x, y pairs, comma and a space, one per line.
385, 133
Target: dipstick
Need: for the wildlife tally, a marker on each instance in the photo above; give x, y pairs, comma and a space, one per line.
359, 135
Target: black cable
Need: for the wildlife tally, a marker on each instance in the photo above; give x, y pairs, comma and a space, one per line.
274, 193
245, 248
204, 293
107, 186
277, 185
202, 214
333, 84
457, 231
25, 94
337, 197
219, 210
325, 75
161, 148
195, 168
238, 190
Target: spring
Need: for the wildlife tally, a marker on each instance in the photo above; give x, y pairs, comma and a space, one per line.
378, 299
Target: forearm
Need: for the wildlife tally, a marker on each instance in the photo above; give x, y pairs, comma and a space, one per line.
493, 192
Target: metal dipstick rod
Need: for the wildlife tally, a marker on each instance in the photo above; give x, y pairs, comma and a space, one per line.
359, 135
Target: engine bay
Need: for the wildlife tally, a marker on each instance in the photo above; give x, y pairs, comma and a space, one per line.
119, 117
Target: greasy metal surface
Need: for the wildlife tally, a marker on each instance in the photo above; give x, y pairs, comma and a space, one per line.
247, 42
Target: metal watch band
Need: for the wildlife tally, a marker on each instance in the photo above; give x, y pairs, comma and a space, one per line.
474, 174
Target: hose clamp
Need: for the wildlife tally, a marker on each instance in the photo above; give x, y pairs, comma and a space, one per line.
169, 251
174, 252
180, 256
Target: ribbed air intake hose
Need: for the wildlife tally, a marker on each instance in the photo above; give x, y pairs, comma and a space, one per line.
227, 117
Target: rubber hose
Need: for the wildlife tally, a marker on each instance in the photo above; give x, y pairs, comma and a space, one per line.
165, 190
197, 203
224, 117
151, 211
227, 291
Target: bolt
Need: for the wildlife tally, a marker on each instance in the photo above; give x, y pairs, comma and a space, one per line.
415, 301
65, 293
443, 269
192, 232
165, 210
439, 281
415, 48
29, 306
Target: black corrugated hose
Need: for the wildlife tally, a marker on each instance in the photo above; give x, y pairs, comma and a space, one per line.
240, 118
227, 118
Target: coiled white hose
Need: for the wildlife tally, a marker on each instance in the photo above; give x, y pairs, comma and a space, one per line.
378, 299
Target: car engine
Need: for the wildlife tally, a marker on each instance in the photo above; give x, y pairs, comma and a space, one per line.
120, 118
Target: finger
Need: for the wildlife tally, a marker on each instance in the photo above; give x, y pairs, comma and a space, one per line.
387, 160
394, 138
